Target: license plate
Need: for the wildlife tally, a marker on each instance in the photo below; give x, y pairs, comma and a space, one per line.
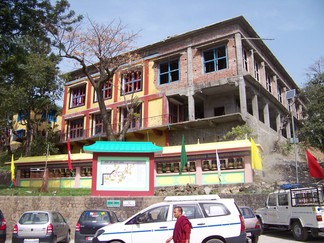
248, 234
31, 240
89, 238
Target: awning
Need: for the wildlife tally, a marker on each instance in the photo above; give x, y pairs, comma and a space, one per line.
122, 147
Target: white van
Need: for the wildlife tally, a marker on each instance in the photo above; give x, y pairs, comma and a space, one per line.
214, 220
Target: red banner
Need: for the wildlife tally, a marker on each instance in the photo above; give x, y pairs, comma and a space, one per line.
69, 154
315, 170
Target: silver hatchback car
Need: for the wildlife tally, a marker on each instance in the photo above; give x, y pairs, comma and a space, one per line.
41, 226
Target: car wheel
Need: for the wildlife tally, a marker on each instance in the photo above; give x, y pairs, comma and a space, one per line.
54, 240
300, 233
67, 238
263, 226
214, 241
255, 239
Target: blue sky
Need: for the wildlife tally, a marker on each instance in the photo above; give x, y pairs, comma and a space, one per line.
295, 25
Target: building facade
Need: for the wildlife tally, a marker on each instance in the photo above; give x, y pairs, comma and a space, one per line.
234, 167
200, 84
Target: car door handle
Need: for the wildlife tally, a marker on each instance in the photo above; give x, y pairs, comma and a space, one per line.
201, 224
163, 227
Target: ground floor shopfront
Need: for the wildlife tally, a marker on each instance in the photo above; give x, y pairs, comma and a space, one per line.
234, 162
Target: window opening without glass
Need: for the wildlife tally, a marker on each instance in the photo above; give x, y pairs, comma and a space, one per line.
169, 72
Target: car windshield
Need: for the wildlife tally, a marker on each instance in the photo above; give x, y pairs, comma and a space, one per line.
34, 218
94, 216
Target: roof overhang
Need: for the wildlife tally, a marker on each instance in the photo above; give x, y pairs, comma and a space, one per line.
122, 147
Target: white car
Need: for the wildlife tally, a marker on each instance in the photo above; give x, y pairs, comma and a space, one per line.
214, 220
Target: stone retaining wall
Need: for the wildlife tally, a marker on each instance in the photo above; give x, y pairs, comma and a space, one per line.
71, 207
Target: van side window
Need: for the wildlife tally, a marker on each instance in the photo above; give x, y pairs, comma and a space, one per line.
191, 211
214, 209
272, 200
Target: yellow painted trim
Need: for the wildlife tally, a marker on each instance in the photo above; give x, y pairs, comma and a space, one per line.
53, 158
191, 148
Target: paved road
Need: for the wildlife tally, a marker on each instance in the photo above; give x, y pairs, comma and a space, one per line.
270, 237
284, 237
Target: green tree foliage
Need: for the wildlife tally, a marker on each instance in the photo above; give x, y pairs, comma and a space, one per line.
239, 132
29, 82
312, 133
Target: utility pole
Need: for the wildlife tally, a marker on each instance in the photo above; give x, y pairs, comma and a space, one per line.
290, 96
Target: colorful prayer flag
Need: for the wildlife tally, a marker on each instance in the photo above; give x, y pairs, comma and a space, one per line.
256, 159
13, 181
218, 166
69, 154
183, 159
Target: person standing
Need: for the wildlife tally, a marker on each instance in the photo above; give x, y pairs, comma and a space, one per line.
182, 228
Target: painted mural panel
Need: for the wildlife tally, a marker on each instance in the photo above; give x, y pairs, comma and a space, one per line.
123, 174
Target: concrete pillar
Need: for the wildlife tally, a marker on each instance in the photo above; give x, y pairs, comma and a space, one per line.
239, 61
252, 64
266, 114
288, 130
199, 172
278, 123
275, 86
242, 93
300, 112
191, 101
255, 107
284, 100
77, 177
239, 53
262, 75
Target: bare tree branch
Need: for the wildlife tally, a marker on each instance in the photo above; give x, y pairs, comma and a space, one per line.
106, 48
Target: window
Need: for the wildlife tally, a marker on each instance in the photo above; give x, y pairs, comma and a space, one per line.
191, 211
283, 199
256, 71
215, 59
78, 96
137, 117
279, 93
34, 218
219, 111
21, 116
268, 82
159, 214
94, 216
51, 116
245, 61
86, 171
76, 128
169, 72
176, 113
131, 82
21, 133
97, 125
272, 201
214, 209
61, 172
25, 173
106, 92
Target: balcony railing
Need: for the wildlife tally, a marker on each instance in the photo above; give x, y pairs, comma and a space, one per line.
146, 123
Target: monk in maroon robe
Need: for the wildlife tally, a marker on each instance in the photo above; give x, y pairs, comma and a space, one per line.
182, 228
